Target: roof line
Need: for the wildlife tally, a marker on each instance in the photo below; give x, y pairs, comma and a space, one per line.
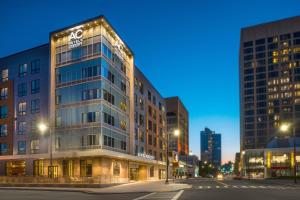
22, 51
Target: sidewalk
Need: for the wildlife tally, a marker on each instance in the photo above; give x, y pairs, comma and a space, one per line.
136, 187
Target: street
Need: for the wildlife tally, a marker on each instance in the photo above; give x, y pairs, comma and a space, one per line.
201, 189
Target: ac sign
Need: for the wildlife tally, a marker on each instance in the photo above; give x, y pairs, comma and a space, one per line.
75, 39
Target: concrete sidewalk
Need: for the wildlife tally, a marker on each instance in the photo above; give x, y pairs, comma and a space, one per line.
136, 187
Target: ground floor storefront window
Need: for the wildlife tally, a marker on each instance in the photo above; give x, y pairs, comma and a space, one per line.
86, 168
15, 168
68, 168
38, 168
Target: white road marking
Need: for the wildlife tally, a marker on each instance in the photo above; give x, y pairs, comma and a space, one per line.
200, 187
235, 186
178, 195
145, 196
208, 187
217, 186
262, 187
222, 183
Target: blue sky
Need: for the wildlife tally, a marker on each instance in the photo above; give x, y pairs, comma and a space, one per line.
186, 48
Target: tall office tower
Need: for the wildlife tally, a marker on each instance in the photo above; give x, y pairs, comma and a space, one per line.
150, 119
211, 147
24, 101
85, 100
269, 80
178, 119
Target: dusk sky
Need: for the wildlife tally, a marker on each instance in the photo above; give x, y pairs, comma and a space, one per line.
186, 48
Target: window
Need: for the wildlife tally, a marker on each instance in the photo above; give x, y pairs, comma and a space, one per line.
91, 140
4, 75
111, 77
123, 87
35, 86
35, 66
34, 146
154, 100
58, 99
90, 117
35, 106
22, 90
108, 119
3, 130
3, 94
149, 95
109, 141
91, 94
22, 70
22, 108
21, 147
123, 145
108, 97
21, 128
90, 71
38, 167
3, 148
106, 51
3, 112
86, 168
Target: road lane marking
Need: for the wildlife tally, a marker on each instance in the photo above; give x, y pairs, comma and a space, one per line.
178, 195
262, 187
208, 187
252, 186
235, 186
222, 183
217, 186
145, 196
200, 187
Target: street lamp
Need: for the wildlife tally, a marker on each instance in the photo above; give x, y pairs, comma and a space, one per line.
286, 128
175, 133
43, 128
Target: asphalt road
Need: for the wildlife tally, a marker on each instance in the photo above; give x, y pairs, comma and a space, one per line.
201, 189
238, 190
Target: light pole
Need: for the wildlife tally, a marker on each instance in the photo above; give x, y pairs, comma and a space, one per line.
43, 128
286, 127
176, 133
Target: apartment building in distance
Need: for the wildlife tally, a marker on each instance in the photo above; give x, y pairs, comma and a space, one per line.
211, 151
269, 63
178, 119
105, 119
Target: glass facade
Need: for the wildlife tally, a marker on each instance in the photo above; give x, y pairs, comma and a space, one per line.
91, 92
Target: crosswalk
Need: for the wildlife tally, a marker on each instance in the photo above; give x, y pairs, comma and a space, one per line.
207, 187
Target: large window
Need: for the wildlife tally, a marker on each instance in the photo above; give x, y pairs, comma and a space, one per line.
22, 70
86, 168
109, 141
35, 66
22, 90
21, 128
4, 75
106, 51
3, 112
22, 108
91, 94
38, 167
90, 117
35, 86
35, 146
4, 94
108, 97
108, 119
3, 148
3, 130
21, 147
35, 106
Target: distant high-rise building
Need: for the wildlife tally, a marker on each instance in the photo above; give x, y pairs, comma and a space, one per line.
178, 118
211, 147
269, 80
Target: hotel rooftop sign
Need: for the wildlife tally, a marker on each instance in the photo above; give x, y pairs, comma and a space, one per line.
75, 38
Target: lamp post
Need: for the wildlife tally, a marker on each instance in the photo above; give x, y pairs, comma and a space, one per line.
286, 127
43, 128
176, 133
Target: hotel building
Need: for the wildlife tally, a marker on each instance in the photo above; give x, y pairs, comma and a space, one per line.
88, 93
269, 93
